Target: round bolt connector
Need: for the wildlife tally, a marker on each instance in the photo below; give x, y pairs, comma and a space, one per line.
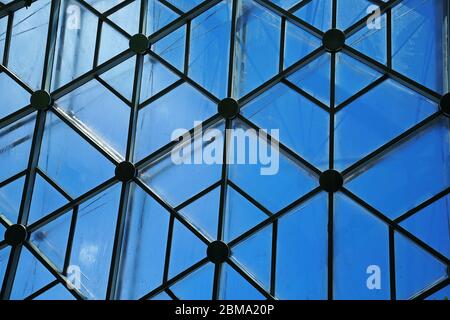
16, 235
218, 252
126, 171
333, 40
41, 100
444, 105
139, 43
331, 181
229, 108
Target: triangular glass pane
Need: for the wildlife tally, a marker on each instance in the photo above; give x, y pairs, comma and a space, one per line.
179, 109
100, 113
431, 225
155, 78
4, 258
408, 175
317, 13
255, 256
46, 199
285, 4
103, 5
166, 175
144, 248
15, 144
361, 248
158, 16
31, 276
204, 213
280, 177
210, 49
240, 215
14, 97
351, 77
377, 117
28, 42
10, 198
302, 251
3, 27
417, 42
303, 126
314, 78
172, 48
351, 11
184, 5
121, 78
371, 40
111, 44
234, 287
196, 286
91, 249
416, 269
299, 43
187, 249
75, 43
51, 240
257, 47
71, 161
128, 16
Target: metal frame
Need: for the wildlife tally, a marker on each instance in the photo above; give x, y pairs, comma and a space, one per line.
185, 18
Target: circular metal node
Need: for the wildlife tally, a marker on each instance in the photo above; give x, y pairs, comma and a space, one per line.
16, 235
139, 43
41, 100
126, 171
229, 108
333, 40
444, 105
218, 252
331, 181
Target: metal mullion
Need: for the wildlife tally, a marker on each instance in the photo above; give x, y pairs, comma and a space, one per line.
278, 77
292, 155
10, 272
282, 44
168, 248
392, 267
171, 294
187, 51
274, 217
423, 205
175, 279
118, 7
9, 30
69, 206
98, 41
332, 109
16, 116
389, 38
290, 17
396, 227
232, 51
273, 267
111, 292
354, 168
73, 226
330, 262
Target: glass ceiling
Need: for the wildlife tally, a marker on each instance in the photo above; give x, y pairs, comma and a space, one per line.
93, 207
